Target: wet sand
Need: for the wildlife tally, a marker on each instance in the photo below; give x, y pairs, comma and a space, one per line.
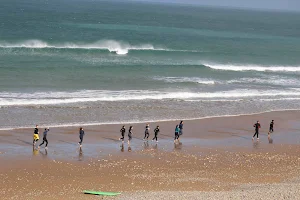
216, 157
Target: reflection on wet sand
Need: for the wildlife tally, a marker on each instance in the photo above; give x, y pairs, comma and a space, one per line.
80, 156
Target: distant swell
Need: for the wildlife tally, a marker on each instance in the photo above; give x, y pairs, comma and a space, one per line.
50, 98
259, 68
117, 47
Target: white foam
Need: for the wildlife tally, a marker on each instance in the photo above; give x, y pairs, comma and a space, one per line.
233, 67
271, 80
185, 80
111, 45
50, 98
117, 47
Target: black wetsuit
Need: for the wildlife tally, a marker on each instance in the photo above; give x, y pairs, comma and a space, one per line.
271, 127
156, 131
257, 127
123, 130
130, 134
45, 138
81, 134
146, 132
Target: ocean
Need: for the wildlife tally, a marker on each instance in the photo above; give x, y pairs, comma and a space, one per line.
75, 62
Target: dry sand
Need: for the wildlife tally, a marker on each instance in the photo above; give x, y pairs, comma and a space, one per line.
216, 160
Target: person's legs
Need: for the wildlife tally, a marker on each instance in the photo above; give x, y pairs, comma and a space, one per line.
81, 138
46, 142
255, 134
42, 143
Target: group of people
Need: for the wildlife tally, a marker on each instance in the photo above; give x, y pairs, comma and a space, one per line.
178, 133
257, 126
36, 136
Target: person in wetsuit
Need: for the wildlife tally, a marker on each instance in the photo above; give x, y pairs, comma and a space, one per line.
176, 133
130, 134
81, 134
35, 135
181, 128
271, 130
45, 138
257, 127
147, 129
156, 131
123, 130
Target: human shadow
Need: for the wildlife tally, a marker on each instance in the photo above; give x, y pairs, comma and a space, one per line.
177, 146
122, 147
166, 135
115, 140
270, 140
25, 142
67, 142
44, 154
129, 149
232, 134
256, 144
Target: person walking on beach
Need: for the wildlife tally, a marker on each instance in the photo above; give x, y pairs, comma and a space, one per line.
156, 131
45, 138
35, 135
176, 133
181, 128
81, 134
147, 129
123, 130
130, 134
257, 127
271, 129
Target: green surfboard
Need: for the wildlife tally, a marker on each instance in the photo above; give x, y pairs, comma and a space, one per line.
101, 193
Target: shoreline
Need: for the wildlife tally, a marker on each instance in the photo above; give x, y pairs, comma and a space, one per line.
216, 157
140, 122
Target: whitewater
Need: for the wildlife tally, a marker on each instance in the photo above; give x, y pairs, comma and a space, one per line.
144, 62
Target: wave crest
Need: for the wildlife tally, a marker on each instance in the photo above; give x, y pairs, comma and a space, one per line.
259, 68
117, 47
185, 80
51, 98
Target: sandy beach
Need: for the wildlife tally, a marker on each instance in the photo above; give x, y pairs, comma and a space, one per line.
216, 159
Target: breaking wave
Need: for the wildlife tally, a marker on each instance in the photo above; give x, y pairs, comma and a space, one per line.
50, 98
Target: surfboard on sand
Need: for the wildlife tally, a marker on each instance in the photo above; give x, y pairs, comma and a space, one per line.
101, 193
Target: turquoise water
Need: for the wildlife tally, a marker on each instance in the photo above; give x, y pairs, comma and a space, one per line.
89, 62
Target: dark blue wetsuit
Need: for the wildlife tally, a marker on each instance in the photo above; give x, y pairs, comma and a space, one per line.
147, 128
81, 134
45, 138
130, 134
